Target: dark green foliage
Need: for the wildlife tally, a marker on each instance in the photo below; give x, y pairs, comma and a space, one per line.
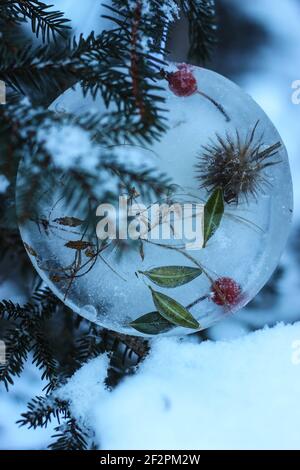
30, 332
41, 410
44, 20
19, 118
117, 66
27, 335
69, 436
202, 28
17, 347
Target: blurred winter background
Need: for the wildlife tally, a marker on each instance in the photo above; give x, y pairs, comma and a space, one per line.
241, 393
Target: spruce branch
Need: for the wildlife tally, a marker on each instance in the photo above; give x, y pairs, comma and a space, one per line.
27, 129
26, 335
45, 22
10, 310
89, 346
201, 15
144, 181
69, 436
124, 355
98, 62
43, 356
41, 411
17, 346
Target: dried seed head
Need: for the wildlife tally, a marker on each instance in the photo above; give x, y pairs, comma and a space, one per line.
236, 165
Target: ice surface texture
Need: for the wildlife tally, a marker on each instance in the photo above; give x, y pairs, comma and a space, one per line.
245, 248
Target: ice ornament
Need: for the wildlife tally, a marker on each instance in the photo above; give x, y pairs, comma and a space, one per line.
221, 153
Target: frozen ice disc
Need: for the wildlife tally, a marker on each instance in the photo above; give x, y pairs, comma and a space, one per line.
222, 154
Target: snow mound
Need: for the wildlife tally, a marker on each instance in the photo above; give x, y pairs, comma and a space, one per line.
240, 394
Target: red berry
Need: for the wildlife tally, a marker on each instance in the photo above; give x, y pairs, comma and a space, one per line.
225, 291
182, 82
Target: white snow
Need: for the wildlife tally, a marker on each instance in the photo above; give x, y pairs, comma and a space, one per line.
85, 388
70, 146
240, 394
168, 8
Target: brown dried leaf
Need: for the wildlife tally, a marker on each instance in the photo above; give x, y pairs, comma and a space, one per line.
69, 221
78, 245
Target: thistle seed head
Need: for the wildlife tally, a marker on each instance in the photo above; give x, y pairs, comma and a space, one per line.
236, 165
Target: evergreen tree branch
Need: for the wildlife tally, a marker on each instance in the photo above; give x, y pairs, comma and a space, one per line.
41, 411
26, 335
18, 120
44, 21
201, 15
43, 356
69, 436
17, 344
99, 63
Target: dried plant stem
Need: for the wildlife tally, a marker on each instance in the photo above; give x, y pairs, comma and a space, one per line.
216, 104
134, 61
197, 301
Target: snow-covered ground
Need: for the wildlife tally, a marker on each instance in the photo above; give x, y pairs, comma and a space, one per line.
240, 393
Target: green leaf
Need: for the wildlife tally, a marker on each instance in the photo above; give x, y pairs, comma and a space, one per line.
213, 213
152, 324
172, 276
173, 311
